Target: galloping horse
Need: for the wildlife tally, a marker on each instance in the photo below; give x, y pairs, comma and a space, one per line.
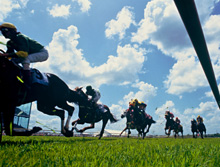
130, 124
14, 92
194, 128
177, 128
89, 114
169, 125
201, 128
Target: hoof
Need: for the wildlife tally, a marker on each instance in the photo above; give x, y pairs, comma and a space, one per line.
36, 129
80, 131
68, 133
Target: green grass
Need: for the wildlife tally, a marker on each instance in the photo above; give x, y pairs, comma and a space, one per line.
78, 151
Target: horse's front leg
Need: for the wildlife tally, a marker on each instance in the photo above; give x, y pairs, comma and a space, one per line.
51, 110
148, 128
166, 131
129, 132
123, 130
70, 110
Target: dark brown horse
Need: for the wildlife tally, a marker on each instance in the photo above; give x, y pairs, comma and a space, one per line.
169, 125
130, 124
177, 129
14, 92
90, 114
201, 128
194, 128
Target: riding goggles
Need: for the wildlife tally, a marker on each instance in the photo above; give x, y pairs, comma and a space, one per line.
4, 29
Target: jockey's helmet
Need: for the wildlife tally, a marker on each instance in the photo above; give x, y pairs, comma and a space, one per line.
88, 89
198, 116
143, 104
167, 112
8, 25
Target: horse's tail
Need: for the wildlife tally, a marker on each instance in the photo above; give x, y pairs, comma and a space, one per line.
111, 116
153, 122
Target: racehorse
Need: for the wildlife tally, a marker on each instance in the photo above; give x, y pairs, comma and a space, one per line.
177, 128
169, 125
130, 124
201, 128
89, 114
194, 128
14, 92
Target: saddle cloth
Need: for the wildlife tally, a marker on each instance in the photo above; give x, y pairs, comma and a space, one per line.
39, 77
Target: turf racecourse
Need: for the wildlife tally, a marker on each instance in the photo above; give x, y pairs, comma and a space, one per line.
114, 152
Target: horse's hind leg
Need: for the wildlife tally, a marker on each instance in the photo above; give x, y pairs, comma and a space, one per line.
86, 128
104, 122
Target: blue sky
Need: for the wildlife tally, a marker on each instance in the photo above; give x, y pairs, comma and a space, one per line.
126, 49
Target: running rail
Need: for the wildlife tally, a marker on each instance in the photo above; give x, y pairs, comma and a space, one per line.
188, 12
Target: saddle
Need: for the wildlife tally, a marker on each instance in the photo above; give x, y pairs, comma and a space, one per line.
39, 78
93, 111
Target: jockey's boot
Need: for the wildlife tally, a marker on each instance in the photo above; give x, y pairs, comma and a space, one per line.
27, 78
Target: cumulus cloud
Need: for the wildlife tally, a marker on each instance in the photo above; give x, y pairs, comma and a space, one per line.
144, 93
124, 19
84, 4
163, 28
67, 60
204, 108
9, 5
184, 78
60, 11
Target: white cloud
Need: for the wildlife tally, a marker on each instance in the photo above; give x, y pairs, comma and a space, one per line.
67, 61
162, 27
123, 21
185, 76
204, 108
60, 11
144, 93
85, 5
8, 6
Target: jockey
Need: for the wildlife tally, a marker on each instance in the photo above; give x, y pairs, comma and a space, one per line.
28, 50
193, 121
134, 103
199, 119
177, 120
142, 108
95, 95
169, 115
130, 114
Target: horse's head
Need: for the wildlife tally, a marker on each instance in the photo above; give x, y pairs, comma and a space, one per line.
124, 114
80, 92
82, 97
